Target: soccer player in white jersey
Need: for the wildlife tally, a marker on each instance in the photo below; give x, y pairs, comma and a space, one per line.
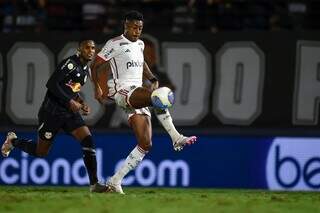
123, 55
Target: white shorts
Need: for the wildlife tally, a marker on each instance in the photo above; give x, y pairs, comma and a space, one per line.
121, 97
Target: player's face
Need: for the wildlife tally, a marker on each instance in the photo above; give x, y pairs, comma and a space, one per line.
133, 29
87, 50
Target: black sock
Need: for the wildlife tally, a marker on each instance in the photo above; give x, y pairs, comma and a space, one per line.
89, 158
25, 145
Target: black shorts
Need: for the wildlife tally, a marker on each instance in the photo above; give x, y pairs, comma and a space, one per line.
52, 117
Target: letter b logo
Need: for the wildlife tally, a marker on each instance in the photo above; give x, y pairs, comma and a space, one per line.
293, 164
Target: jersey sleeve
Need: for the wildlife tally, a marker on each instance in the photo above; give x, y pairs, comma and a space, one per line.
57, 78
108, 51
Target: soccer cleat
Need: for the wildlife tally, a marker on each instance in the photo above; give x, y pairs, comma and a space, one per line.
7, 145
114, 187
182, 141
98, 188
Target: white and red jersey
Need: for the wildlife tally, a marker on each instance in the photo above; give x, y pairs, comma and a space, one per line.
126, 60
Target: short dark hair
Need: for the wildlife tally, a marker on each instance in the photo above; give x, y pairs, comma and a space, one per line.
83, 40
133, 15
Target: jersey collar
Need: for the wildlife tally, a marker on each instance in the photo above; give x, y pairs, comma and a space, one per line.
76, 58
126, 39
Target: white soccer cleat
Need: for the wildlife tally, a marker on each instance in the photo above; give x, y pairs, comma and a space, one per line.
182, 141
7, 146
114, 187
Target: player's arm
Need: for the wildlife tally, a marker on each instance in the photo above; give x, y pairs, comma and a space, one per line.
147, 74
98, 66
54, 86
54, 83
85, 109
101, 63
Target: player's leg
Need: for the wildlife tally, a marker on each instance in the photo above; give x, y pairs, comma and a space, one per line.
82, 134
75, 125
178, 140
141, 125
134, 97
140, 97
39, 149
48, 127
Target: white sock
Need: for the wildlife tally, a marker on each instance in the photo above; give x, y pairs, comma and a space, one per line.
166, 121
131, 162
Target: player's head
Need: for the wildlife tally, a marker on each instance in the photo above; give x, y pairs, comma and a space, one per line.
133, 24
86, 49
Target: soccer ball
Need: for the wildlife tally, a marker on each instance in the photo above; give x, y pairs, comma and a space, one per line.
162, 98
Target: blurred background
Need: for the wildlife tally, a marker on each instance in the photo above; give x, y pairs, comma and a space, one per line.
179, 16
246, 77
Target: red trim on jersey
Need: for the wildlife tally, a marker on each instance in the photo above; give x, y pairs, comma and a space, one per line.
115, 86
122, 93
111, 96
115, 64
100, 58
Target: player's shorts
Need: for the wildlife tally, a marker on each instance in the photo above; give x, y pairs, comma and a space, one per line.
121, 97
53, 117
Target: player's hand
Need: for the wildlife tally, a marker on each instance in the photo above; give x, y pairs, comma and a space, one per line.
75, 106
85, 109
154, 85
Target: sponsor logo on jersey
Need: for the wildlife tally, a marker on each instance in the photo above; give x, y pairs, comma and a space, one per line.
134, 64
106, 54
124, 43
75, 87
48, 135
127, 51
70, 66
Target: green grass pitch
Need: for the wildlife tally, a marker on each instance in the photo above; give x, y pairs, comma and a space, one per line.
153, 200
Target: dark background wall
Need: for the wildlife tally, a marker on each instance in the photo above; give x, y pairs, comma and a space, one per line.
236, 82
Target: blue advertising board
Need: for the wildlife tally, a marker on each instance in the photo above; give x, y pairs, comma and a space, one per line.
276, 163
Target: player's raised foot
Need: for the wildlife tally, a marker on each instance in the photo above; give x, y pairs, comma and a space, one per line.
182, 141
114, 187
7, 146
98, 188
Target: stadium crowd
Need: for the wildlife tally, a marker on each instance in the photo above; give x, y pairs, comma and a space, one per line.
178, 16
